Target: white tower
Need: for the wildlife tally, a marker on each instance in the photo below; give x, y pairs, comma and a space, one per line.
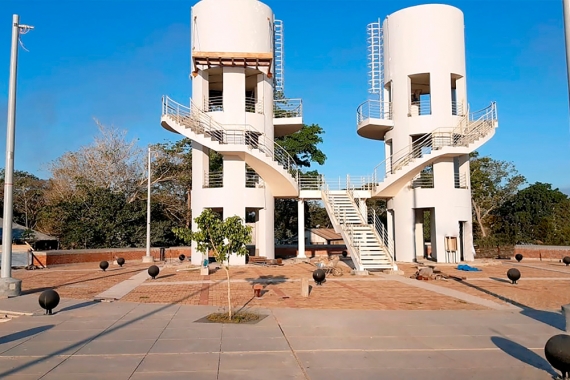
233, 112
423, 118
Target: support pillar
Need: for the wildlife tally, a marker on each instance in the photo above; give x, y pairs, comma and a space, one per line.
301, 229
419, 233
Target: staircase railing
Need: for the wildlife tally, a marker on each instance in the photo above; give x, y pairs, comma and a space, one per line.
471, 128
382, 233
199, 122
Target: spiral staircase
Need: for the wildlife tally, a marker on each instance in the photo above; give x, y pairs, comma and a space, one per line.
273, 164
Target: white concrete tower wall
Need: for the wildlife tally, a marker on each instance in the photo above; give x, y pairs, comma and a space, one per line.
240, 98
424, 61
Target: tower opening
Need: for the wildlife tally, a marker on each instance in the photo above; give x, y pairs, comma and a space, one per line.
420, 94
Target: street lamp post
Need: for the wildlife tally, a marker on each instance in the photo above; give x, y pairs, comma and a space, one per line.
10, 287
566, 11
148, 258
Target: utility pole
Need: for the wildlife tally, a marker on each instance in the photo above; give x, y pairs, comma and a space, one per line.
148, 258
566, 10
10, 287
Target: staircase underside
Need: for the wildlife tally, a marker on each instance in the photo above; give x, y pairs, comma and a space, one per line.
281, 183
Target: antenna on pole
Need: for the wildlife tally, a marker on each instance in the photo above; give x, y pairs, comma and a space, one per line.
23, 29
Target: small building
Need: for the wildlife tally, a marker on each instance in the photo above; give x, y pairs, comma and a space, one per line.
322, 236
36, 239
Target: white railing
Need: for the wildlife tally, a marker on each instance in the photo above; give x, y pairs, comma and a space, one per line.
373, 109
382, 233
214, 104
253, 105
420, 108
461, 181
213, 179
471, 128
310, 182
423, 180
253, 180
287, 108
457, 108
201, 123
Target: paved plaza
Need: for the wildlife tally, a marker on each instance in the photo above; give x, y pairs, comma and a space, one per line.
360, 327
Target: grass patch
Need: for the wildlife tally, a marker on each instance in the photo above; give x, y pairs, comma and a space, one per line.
241, 317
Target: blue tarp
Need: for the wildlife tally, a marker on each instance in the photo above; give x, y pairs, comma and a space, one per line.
468, 268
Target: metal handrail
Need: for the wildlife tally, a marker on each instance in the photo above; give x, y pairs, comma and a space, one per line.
457, 108
423, 180
253, 105
373, 109
283, 108
199, 122
382, 233
470, 128
213, 179
461, 181
420, 107
214, 104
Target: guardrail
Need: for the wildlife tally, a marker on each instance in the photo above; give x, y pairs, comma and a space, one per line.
283, 108
373, 109
420, 108
213, 179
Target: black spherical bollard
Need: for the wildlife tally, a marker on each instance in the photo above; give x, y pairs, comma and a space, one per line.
121, 261
344, 254
48, 300
566, 260
557, 352
181, 257
519, 257
153, 271
319, 276
104, 265
514, 274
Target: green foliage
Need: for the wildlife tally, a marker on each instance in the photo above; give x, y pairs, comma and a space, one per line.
302, 145
221, 237
28, 197
536, 214
492, 183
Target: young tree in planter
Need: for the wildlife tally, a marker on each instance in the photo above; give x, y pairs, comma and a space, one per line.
222, 237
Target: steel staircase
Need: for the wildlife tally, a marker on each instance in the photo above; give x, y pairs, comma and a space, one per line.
273, 164
367, 243
396, 171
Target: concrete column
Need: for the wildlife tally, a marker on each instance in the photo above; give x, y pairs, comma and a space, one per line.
301, 228
200, 165
266, 233
390, 228
419, 233
363, 208
234, 93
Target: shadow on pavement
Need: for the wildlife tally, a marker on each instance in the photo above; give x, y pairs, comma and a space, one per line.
552, 318
24, 333
77, 306
523, 354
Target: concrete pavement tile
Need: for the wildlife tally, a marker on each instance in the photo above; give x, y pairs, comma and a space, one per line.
207, 331
249, 331
130, 334
359, 343
488, 358
355, 373
152, 323
247, 361
66, 335
85, 324
87, 376
172, 346
116, 347
98, 364
262, 374
28, 365
254, 344
194, 375
20, 377
459, 342
44, 348
530, 341
179, 362
363, 329
510, 373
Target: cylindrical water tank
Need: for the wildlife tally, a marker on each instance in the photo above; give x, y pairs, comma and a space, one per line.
241, 26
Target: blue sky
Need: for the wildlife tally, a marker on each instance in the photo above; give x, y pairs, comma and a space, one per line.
114, 59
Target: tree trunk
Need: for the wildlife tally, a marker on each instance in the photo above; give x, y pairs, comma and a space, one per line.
479, 219
226, 268
189, 209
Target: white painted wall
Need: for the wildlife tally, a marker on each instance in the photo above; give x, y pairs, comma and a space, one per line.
427, 39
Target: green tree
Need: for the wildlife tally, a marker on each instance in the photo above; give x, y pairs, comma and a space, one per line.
221, 237
536, 214
28, 197
493, 182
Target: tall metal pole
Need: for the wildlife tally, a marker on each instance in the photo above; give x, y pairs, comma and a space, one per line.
147, 257
8, 286
566, 10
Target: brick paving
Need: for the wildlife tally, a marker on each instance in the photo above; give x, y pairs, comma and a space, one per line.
541, 287
79, 281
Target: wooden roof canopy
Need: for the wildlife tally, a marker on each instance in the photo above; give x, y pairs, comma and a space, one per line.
252, 60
